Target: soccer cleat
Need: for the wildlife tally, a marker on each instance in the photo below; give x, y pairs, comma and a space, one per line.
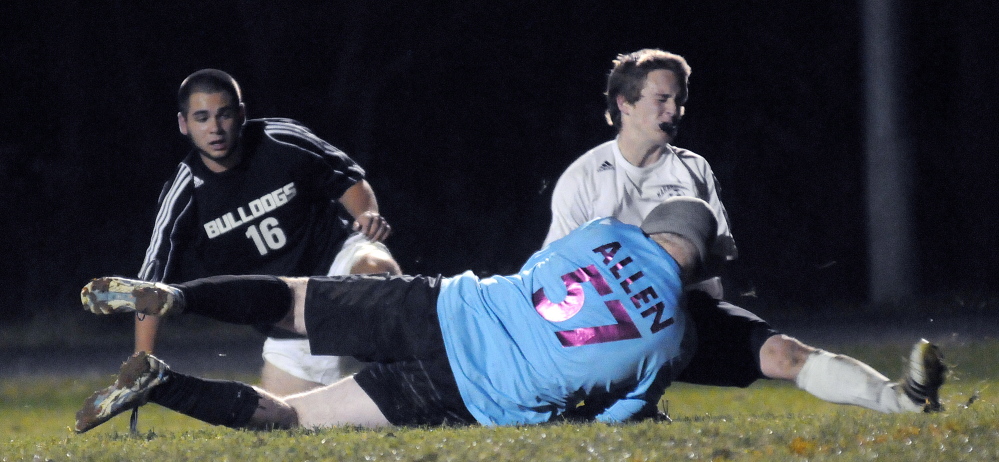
137, 377
925, 376
114, 295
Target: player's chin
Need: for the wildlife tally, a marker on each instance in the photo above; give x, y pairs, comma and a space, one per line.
659, 135
664, 139
217, 153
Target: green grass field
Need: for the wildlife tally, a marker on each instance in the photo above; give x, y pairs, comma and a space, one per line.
768, 421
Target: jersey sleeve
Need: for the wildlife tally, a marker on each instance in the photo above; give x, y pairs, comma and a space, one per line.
724, 245
175, 198
725, 242
342, 171
570, 204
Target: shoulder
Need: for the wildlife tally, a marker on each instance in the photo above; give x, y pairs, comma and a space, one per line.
599, 154
291, 135
596, 160
189, 160
286, 131
691, 159
607, 236
187, 167
281, 126
687, 155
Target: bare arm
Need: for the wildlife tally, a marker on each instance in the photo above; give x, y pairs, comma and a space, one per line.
145, 333
360, 202
176, 197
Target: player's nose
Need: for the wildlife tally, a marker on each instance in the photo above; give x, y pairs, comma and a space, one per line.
217, 126
670, 108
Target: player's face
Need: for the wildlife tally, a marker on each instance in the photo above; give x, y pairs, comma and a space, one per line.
213, 123
657, 105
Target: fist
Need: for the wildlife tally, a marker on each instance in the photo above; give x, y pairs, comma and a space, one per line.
373, 225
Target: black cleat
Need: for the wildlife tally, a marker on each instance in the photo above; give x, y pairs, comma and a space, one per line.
925, 376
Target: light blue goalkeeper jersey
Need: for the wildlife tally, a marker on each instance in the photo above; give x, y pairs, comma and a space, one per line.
592, 313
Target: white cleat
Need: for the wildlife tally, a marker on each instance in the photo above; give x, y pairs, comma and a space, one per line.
117, 295
137, 377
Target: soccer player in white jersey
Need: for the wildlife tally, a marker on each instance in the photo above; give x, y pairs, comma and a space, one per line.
264, 196
592, 318
628, 176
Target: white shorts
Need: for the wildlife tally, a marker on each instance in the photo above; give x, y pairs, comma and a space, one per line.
293, 355
352, 249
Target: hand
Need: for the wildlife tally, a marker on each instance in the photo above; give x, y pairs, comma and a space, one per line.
373, 225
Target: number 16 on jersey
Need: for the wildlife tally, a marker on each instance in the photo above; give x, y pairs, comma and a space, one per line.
267, 235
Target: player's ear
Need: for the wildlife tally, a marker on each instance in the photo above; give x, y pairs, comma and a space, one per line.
683, 109
242, 113
623, 105
182, 123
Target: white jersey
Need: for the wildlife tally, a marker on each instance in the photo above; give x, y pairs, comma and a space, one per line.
601, 183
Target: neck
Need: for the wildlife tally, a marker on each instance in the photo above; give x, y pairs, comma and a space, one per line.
682, 250
639, 153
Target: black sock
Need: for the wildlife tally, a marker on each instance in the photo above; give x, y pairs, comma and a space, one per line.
238, 299
218, 402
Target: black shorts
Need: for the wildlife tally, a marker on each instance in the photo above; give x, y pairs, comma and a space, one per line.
729, 340
390, 321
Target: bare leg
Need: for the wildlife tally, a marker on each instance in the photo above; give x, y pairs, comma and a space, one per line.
272, 412
368, 259
782, 357
273, 378
832, 377
343, 403
375, 261
295, 320
281, 383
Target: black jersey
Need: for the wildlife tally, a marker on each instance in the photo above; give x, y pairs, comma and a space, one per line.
277, 212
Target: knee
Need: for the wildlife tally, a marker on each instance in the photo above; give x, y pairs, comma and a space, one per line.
375, 263
272, 413
782, 357
284, 417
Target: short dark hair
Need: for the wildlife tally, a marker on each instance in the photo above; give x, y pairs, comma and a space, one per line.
627, 78
207, 81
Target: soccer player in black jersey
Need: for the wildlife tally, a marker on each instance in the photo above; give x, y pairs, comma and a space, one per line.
261, 196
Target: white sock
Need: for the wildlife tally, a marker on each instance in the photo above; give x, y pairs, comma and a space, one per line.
843, 380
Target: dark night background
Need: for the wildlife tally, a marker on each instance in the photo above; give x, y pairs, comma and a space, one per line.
465, 113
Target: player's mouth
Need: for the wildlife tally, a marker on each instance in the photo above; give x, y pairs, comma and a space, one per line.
218, 145
670, 128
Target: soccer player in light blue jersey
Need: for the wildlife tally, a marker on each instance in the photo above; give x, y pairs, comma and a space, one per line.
595, 317
592, 314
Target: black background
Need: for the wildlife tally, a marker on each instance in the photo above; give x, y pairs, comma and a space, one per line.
465, 113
